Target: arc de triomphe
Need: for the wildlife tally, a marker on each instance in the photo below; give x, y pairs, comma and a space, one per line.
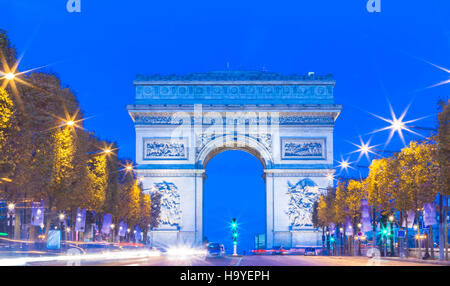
286, 121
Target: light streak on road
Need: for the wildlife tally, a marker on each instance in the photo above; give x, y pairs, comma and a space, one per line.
97, 256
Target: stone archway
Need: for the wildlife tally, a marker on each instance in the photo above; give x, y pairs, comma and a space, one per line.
242, 143
287, 122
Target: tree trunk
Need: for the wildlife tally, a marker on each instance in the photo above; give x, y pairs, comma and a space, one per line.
391, 225
17, 224
431, 243
49, 217
441, 229
374, 229
445, 228
406, 236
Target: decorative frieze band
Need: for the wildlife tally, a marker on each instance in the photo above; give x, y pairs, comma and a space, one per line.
169, 119
235, 92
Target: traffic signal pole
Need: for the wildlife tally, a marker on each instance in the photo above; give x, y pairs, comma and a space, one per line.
235, 235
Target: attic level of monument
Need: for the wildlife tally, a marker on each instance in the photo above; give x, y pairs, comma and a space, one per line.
234, 87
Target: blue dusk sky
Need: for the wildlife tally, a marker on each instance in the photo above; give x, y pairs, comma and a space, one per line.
376, 58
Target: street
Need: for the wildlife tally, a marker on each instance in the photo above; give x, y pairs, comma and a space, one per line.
254, 260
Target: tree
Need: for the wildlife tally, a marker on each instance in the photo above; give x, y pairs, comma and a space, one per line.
341, 202
145, 213
7, 111
326, 210
355, 193
443, 158
134, 195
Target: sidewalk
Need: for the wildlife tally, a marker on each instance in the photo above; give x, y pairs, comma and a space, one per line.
436, 261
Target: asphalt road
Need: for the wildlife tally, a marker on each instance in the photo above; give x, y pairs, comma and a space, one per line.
274, 260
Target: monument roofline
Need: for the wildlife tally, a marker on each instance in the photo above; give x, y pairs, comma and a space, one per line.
235, 77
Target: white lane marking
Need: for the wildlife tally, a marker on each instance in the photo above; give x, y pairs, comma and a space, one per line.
239, 261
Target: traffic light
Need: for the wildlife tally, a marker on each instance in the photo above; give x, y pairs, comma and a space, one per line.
234, 230
385, 231
234, 234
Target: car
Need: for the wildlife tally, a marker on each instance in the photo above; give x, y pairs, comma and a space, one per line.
260, 251
310, 251
215, 249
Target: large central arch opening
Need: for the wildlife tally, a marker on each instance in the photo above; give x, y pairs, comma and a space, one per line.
234, 188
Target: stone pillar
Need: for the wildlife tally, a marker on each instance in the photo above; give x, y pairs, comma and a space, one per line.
199, 209
269, 210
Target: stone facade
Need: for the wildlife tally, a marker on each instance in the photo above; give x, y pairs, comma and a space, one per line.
285, 121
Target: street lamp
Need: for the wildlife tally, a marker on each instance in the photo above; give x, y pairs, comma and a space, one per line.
11, 207
10, 76
61, 216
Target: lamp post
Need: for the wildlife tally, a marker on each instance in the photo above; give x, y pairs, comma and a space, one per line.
11, 208
415, 239
359, 240
112, 232
61, 226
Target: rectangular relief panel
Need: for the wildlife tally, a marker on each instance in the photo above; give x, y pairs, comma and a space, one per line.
165, 148
300, 148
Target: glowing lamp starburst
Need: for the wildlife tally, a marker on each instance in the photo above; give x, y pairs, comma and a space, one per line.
11, 206
10, 76
344, 165
397, 125
363, 149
